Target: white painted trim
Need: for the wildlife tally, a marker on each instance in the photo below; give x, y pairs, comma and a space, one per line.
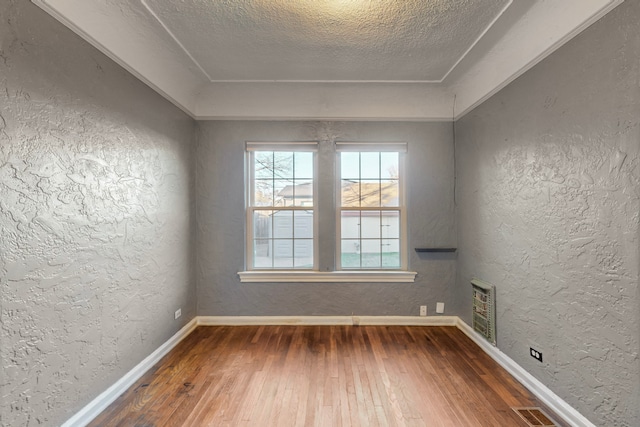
323, 101
104, 399
327, 276
278, 118
477, 40
175, 39
406, 320
542, 392
327, 320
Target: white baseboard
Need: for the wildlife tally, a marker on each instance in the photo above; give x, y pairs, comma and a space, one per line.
542, 392
328, 320
104, 399
555, 403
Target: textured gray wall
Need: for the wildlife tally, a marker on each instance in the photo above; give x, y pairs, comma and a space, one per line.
548, 205
220, 222
95, 219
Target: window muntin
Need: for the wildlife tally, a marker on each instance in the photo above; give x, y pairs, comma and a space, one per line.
281, 209
282, 202
371, 218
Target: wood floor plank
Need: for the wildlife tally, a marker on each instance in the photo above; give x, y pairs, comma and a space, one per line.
323, 376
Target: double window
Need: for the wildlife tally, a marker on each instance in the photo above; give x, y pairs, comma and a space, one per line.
283, 212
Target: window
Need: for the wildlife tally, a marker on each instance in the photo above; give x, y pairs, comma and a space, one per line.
285, 222
280, 214
371, 218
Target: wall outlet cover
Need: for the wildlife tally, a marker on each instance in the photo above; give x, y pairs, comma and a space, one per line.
535, 354
440, 307
423, 310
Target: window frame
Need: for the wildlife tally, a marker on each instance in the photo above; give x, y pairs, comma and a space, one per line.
314, 275
250, 207
372, 147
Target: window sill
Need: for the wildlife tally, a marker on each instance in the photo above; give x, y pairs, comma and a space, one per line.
289, 276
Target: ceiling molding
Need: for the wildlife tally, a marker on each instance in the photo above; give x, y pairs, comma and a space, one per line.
484, 79
477, 40
524, 33
324, 101
160, 71
175, 39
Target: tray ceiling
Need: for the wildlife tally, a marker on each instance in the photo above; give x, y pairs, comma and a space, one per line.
327, 59
322, 40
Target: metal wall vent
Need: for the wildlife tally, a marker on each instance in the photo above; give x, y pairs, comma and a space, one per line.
484, 309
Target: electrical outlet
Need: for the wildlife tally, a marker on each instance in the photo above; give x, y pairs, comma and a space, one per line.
535, 354
178, 313
439, 307
423, 310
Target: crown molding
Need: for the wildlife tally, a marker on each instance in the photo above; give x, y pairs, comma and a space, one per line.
137, 40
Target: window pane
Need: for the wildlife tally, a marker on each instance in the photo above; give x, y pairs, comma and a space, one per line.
389, 193
262, 253
370, 238
350, 165
303, 165
371, 253
282, 253
391, 253
370, 193
283, 165
389, 165
303, 193
370, 227
282, 238
263, 195
303, 253
350, 253
262, 224
283, 192
303, 224
350, 193
390, 224
283, 224
263, 166
350, 224
370, 165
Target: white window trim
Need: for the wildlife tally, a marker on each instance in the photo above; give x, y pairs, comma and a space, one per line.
398, 147
250, 275
252, 147
345, 276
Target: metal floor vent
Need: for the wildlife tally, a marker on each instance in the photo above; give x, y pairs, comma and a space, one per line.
535, 417
484, 309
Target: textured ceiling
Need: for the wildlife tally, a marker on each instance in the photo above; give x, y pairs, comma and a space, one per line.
327, 59
319, 40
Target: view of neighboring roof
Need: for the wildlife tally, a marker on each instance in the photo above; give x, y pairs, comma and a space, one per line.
300, 190
367, 194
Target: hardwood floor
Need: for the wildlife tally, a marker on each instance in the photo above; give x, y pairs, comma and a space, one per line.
322, 376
